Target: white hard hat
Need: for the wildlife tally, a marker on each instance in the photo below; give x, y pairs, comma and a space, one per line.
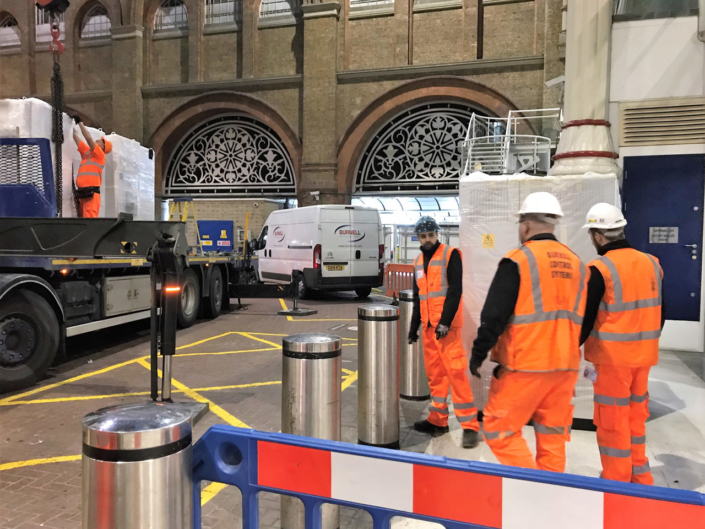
541, 203
605, 216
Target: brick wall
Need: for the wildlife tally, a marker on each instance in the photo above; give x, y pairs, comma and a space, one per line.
169, 61
371, 43
438, 37
279, 51
511, 30
221, 55
92, 65
14, 75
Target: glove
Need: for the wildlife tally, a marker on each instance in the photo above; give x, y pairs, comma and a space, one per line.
76, 118
413, 337
475, 364
442, 331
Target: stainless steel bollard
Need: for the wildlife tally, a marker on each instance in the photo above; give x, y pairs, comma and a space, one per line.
378, 375
311, 370
137, 471
413, 384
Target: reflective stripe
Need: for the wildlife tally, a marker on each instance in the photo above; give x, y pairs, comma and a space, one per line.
630, 305
619, 304
614, 452
579, 298
610, 401
423, 297
86, 173
548, 430
86, 164
495, 435
639, 398
439, 294
442, 411
616, 280
625, 336
463, 405
643, 469
552, 315
535, 278
657, 273
639, 440
442, 400
466, 418
435, 262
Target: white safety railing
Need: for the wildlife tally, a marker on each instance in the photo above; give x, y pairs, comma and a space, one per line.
509, 145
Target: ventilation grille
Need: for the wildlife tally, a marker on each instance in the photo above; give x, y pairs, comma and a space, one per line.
662, 122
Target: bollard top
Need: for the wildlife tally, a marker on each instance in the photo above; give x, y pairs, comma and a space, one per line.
312, 346
378, 312
406, 295
137, 426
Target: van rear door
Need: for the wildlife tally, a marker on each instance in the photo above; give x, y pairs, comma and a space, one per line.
364, 242
335, 243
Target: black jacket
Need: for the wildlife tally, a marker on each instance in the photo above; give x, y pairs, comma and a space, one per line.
596, 290
500, 303
455, 288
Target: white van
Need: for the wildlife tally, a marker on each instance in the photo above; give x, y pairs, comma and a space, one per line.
336, 248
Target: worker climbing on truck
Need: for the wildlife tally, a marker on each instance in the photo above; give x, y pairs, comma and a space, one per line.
90, 172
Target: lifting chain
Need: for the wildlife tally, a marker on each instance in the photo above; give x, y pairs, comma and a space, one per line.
57, 118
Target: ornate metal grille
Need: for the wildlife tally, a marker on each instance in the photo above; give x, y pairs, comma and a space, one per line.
96, 23
232, 155
418, 150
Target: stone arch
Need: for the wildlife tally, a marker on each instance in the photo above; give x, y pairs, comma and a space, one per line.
166, 138
7, 16
112, 8
411, 94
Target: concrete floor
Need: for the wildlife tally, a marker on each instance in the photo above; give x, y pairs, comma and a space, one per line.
234, 362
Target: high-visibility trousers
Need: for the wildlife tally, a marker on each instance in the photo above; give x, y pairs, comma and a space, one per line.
90, 206
446, 366
621, 409
515, 399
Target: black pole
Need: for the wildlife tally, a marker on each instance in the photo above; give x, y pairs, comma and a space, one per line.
154, 335
480, 28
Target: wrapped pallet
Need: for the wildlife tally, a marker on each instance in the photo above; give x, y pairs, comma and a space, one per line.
488, 230
128, 176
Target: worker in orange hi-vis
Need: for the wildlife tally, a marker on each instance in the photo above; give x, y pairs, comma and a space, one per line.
532, 320
621, 330
438, 293
90, 172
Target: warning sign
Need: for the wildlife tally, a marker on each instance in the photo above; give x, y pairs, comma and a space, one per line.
223, 234
488, 240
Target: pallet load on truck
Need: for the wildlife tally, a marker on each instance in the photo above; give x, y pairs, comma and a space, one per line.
488, 231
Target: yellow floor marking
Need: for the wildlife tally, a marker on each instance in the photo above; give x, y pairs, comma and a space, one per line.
285, 308
239, 386
348, 381
252, 337
347, 371
210, 491
204, 340
229, 352
220, 412
68, 381
33, 462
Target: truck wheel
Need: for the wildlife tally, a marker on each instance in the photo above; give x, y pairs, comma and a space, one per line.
303, 290
214, 302
363, 292
29, 339
190, 299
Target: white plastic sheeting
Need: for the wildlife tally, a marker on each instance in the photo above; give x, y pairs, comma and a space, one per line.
488, 230
128, 177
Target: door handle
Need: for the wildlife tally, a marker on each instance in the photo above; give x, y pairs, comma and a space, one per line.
690, 245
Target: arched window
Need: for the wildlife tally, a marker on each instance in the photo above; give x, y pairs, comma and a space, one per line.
43, 25
96, 23
9, 32
279, 8
171, 15
224, 12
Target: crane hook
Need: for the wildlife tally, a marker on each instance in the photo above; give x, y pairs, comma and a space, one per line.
56, 45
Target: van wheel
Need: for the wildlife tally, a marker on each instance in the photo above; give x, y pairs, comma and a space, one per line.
302, 290
363, 292
190, 299
29, 340
214, 302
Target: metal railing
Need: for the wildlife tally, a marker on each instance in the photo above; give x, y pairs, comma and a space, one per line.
521, 142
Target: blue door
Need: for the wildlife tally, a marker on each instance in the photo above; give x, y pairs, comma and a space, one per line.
663, 203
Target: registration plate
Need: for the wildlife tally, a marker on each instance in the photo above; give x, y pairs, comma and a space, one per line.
335, 268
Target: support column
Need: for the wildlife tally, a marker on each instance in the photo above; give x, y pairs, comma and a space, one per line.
586, 143
319, 165
127, 82
250, 16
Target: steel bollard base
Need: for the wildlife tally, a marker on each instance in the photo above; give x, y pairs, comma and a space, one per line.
409, 397
392, 446
297, 312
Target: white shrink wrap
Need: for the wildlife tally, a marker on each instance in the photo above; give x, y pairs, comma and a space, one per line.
128, 177
488, 230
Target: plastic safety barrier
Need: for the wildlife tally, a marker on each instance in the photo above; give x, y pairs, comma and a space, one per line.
457, 494
398, 277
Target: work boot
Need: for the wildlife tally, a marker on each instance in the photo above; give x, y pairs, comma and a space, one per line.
429, 428
470, 438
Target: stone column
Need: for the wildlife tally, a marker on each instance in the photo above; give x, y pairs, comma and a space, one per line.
127, 82
319, 165
586, 143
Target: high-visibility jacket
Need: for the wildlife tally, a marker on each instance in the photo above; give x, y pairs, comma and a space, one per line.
433, 287
90, 172
543, 334
628, 324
